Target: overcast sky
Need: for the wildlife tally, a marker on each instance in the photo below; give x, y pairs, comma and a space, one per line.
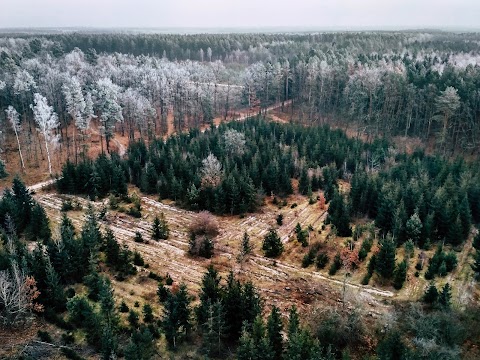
241, 13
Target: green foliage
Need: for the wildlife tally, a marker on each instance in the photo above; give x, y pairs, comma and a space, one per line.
431, 295
336, 265
385, 259
279, 219
392, 347
147, 313
133, 319
339, 215
272, 245
138, 237
476, 264
246, 246
445, 296
274, 332
160, 230
123, 307
400, 274
441, 263
210, 293
141, 345
321, 260
302, 235
177, 317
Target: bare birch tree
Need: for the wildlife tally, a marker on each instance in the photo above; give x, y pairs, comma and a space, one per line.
47, 121
14, 119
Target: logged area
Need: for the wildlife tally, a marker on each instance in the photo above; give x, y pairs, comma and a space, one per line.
241, 196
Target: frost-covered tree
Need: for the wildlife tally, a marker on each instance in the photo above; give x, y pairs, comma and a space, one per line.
447, 104
47, 122
234, 142
107, 95
75, 104
13, 118
211, 171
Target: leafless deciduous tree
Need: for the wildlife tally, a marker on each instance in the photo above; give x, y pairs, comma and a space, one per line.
47, 121
211, 171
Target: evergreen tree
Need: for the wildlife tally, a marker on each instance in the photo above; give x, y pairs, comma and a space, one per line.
272, 245
304, 182
147, 313
400, 275
156, 229
141, 345
55, 296
39, 226
176, 320
23, 204
210, 293
112, 249
274, 332
392, 347
399, 223
293, 322
160, 230
431, 295
133, 319
138, 237
338, 215
476, 242
414, 228
385, 259
214, 329
109, 343
233, 307
476, 264
445, 296
246, 247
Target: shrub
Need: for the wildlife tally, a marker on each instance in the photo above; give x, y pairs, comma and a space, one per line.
336, 265
44, 336
204, 224
322, 260
123, 307
280, 220
137, 259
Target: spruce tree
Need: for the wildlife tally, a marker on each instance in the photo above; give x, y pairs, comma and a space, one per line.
246, 247
293, 322
400, 275
112, 249
55, 296
156, 233
274, 332
444, 299
476, 264
176, 320
385, 259
233, 307
214, 329
164, 230
210, 293
431, 295
338, 215
272, 245
147, 313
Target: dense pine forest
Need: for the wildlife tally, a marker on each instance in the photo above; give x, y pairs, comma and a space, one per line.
240, 196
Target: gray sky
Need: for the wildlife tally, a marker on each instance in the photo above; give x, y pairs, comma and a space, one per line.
240, 13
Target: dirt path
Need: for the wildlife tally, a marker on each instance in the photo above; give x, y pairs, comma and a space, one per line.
41, 185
